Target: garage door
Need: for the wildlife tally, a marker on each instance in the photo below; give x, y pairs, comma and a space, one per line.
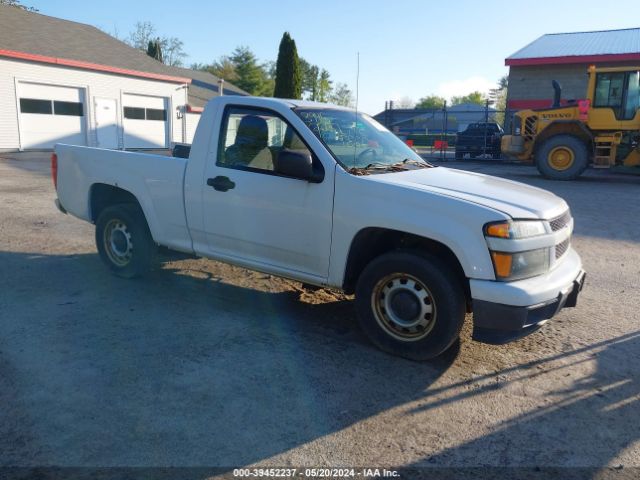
145, 121
51, 114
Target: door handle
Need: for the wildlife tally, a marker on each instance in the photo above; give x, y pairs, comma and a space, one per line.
221, 184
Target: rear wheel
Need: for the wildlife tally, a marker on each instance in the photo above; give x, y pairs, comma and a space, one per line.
562, 157
459, 154
410, 304
124, 242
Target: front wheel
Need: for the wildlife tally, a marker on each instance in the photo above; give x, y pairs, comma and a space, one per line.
124, 242
562, 157
410, 304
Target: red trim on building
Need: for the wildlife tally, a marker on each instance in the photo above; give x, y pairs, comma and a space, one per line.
90, 66
191, 109
533, 104
614, 57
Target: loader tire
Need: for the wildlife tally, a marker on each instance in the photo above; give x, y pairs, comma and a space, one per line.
562, 157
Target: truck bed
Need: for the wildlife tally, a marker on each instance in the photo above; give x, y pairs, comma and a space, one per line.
157, 181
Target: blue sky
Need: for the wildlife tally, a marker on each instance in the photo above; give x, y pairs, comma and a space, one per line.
408, 48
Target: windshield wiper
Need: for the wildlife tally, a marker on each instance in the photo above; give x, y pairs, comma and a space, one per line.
418, 163
386, 167
396, 167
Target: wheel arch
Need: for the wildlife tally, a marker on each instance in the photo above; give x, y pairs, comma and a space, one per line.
565, 127
371, 242
102, 195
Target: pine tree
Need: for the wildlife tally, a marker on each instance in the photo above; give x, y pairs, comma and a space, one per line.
154, 49
288, 75
250, 76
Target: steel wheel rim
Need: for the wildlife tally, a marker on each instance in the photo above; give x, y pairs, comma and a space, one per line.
561, 158
117, 242
409, 324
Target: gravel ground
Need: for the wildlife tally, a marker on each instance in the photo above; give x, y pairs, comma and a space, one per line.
205, 364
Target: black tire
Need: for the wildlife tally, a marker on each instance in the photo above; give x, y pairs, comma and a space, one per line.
459, 154
496, 155
380, 285
124, 242
562, 157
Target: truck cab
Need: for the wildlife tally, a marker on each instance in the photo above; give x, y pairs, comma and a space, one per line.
327, 196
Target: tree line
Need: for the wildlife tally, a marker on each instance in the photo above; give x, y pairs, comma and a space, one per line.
496, 98
290, 76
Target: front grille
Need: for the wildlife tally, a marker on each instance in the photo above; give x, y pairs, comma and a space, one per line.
562, 248
560, 222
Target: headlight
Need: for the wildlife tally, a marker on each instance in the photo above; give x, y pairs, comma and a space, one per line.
515, 230
509, 266
519, 265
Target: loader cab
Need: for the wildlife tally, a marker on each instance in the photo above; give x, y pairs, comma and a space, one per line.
615, 98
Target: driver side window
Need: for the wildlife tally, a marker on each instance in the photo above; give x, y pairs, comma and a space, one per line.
251, 139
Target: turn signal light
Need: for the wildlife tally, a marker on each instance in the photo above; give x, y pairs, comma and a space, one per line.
502, 264
500, 230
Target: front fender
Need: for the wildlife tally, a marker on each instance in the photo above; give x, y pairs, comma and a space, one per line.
453, 222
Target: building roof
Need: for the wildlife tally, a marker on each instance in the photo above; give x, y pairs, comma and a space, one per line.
204, 86
35, 37
580, 47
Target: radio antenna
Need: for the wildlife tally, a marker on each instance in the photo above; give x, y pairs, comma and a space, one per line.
355, 132
357, 79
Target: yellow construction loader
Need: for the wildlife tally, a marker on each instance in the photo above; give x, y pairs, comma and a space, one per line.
602, 130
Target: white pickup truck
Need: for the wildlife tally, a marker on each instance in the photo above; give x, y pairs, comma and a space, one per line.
327, 196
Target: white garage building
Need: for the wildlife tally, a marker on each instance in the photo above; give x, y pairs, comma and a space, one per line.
66, 82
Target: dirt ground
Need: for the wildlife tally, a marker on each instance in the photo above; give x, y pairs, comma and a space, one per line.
207, 365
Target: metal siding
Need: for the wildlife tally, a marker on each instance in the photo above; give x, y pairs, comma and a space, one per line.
98, 84
608, 42
192, 120
9, 137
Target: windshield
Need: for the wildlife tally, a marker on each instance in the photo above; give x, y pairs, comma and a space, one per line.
362, 144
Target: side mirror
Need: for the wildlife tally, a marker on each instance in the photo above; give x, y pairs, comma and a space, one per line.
298, 164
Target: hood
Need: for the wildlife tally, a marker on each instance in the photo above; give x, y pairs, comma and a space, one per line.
512, 198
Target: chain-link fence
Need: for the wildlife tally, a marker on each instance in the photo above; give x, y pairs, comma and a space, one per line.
452, 132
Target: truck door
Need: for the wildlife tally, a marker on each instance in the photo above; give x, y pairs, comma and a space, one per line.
631, 107
257, 217
616, 101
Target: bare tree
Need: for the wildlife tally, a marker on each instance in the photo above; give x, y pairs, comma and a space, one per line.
141, 35
17, 4
173, 51
172, 47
